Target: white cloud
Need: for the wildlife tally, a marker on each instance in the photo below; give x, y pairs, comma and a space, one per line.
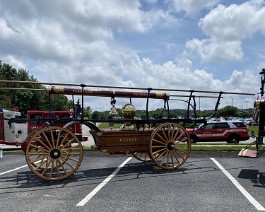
226, 27
211, 50
192, 7
76, 42
235, 22
5, 30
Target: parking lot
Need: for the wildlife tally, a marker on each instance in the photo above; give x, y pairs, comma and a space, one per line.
121, 183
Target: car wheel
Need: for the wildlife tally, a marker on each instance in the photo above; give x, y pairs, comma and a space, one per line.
234, 139
193, 139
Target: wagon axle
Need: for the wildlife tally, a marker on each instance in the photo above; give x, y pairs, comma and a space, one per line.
170, 146
55, 153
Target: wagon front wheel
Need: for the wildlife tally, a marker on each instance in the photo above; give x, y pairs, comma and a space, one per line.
54, 153
170, 146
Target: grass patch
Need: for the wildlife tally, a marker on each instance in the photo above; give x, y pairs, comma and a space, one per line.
255, 129
216, 147
88, 148
105, 125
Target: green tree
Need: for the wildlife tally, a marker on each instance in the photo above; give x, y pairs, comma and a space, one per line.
88, 112
228, 111
58, 102
27, 99
158, 113
95, 115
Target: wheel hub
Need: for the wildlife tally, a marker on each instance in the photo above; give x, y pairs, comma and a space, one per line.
170, 146
55, 153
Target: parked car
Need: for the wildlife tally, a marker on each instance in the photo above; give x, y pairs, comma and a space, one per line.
249, 121
229, 131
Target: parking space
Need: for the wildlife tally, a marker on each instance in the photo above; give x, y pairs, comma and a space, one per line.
120, 183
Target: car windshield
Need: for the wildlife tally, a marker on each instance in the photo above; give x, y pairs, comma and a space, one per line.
206, 126
201, 126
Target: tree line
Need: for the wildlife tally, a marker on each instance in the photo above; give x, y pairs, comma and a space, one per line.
36, 100
27, 99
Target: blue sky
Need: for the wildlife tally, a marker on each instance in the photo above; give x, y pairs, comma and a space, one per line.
183, 44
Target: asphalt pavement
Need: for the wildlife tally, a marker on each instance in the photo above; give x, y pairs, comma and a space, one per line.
120, 183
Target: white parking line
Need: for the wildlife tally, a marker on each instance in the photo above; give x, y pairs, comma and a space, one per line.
21, 167
100, 186
2, 173
250, 198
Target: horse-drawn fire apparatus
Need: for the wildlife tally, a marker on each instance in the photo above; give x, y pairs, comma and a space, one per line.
55, 152
14, 128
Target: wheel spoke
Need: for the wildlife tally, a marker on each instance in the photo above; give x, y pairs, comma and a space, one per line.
183, 140
172, 159
39, 140
160, 150
157, 141
167, 158
161, 154
57, 168
45, 169
52, 137
176, 156
58, 139
159, 146
69, 142
52, 167
38, 159
47, 139
70, 153
40, 164
181, 134
66, 162
61, 165
37, 153
65, 136
165, 135
142, 156
75, 160
173, 134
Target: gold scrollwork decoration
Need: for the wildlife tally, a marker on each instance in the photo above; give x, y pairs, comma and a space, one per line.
58, 90
159, 94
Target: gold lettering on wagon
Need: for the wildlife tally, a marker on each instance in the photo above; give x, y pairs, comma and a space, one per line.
140, 94
80, 91
88, 91
133, 139
77, 91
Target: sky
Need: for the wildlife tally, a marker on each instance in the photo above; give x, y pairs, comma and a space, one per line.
210, 45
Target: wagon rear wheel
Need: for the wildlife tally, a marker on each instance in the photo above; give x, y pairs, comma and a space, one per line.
54, 153
142, 156
170, 146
